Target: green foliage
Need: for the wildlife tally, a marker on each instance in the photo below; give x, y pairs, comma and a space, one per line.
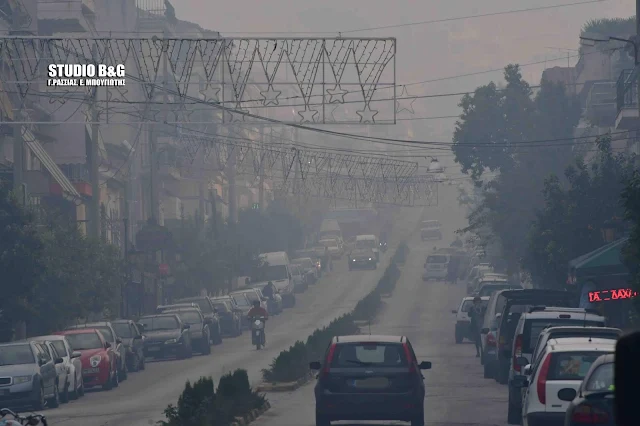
493, 133
400, 256
617, 27
201, 405
569, 225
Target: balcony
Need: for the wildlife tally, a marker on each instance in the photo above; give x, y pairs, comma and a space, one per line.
627, 101
601, 106
63, 16
78, 175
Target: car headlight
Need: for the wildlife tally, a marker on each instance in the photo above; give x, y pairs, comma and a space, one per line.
21, 379
171, 341
95, 360
370, 259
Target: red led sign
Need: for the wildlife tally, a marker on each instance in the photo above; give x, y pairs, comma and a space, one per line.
615, 294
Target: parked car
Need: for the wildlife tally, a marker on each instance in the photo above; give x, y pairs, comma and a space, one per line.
133, 341
71, 364
230, 315
334, 246
199, 329
593, 402
309, 267
355, 371
109, 333
463, 321
526, 334
166, 335
210, 315
490, 283
244, 304
28, 376
98, 357
315, 256
275, 305
559, 371
299, 278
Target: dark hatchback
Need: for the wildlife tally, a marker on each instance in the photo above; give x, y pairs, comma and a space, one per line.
368, 377
132, 339
210, 315
166, 335
230, 315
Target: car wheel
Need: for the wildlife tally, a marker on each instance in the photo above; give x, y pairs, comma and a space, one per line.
134, 365
207, 348
75, 394
125, 372
55, 401
514, 414
109, 384
64, 398
502, 374
217, 338
322, 420
418, 419
116, 379
40, 401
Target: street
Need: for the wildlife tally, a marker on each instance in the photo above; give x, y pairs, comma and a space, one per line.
457, 394
142, 399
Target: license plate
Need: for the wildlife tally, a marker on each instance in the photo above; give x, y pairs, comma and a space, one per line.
372, 383
91, 370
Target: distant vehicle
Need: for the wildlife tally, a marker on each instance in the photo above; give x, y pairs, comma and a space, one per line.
357, 370
435, 267
299, 278
310, 268
335, 247
71, 364
430, 230
362, 258
199, 329
166, 335
210, 315
230, 315
329, 229
274, 267
356, 221
132, 339
463, 321
368, 242
315, 256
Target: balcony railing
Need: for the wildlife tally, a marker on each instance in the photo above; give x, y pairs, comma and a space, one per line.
75, 172
627, 90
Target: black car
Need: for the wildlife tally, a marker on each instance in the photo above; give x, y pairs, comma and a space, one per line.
362, 259
166, 335
210, 315
593, 403
132, 339
199, 329
230, 315
368, 377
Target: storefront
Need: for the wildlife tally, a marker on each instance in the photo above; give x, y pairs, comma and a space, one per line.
602, 281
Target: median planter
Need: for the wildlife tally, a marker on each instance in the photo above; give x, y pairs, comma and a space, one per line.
233, 402
290, 369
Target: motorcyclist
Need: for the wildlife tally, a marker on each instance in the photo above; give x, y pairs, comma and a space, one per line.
257, 311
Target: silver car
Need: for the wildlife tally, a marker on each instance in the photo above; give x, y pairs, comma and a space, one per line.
73, 387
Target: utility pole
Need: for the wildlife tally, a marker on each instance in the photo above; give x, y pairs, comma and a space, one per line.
261, 177
94, 160
636, 47
214, 214
233, 195
125, 284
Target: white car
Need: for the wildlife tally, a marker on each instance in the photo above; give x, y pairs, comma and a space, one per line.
463, 322
563, 366
335, 247
73, 386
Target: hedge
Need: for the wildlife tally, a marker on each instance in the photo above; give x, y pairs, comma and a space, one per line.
202, 405
293, 364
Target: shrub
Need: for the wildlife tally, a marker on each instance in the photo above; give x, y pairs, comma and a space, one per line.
400, 256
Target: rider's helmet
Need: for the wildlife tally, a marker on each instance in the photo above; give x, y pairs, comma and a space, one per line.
256, 304
270, 283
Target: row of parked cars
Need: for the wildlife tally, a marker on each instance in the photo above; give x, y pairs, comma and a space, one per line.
54, 369
557, 360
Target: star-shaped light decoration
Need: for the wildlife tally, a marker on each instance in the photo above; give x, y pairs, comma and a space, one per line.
210, 93
238, 116
336, 94
404, 104
270, 96
367, 114
308, 115
333, 111
59, 97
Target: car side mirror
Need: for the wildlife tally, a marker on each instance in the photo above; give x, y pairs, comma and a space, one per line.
522, 361
59, 361
485, 330
527, 370
76, 354
454, 311
567, 394
186, 327
119, 341
107, 345
140, 327
425, 365
315, 365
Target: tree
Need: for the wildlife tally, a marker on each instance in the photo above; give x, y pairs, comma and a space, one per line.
569, 225
631, 203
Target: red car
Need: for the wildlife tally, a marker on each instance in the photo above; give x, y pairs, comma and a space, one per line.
99, 365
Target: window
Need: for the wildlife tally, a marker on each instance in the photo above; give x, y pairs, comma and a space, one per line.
571, 365
467, 304
533, 328
240, 300
350, 355
601, 379
437, 259
221, 306
84, 341
160, 323
123, 330
205, 306
190, 317
252, 296
45, 352
106, 333
365, 244
53, 352
269, 273
16, 355
60, 348
489, 288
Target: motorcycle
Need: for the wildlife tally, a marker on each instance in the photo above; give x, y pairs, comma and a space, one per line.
257, 332
383, 246
18, 420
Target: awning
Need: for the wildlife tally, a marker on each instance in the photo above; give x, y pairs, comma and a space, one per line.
51, 166
604, 261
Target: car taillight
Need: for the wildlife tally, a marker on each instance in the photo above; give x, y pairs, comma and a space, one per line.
327, 363
541, 386
491, 339
407, 353
585, 413
517, 352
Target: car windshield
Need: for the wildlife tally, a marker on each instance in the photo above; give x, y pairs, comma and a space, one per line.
466, 306
571, 365
251, 295
240, 300
431, 224
353, 355
437, 259
190, 317
123, 330
533, 328
203, 304
60, 348
305, 263
489, 289
106, 333
84, 341
159, 323
16, 355
269, 273
601, 379
365, 244
221, 306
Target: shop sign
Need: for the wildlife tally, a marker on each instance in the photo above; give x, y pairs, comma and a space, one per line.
613, 294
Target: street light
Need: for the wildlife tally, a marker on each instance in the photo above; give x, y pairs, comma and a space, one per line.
592, 40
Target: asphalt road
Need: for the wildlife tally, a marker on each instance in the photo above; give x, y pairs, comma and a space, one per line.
141, 399
457, 394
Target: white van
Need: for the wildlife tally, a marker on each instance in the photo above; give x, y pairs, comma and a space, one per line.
274, 267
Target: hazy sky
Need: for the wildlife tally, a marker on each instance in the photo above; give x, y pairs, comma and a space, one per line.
424, 51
